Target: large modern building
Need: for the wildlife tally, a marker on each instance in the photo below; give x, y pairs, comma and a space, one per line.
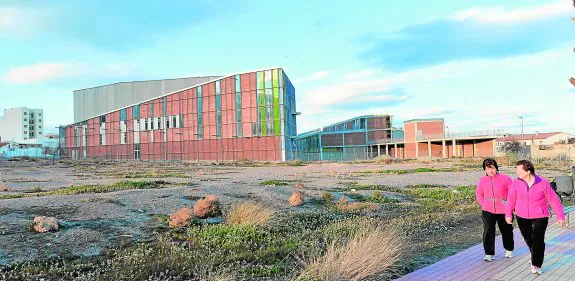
248, 115
348, 140
366, 137
21, 124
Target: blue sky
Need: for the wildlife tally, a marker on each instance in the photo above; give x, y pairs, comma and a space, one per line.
478, 64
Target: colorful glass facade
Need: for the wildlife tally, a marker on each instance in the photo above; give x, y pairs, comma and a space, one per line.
242, 116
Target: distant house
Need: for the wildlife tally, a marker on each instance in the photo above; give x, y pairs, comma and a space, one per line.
540, 141
45, 148
536, 139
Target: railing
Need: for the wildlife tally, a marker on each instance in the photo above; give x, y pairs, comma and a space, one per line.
482, 133
384, 141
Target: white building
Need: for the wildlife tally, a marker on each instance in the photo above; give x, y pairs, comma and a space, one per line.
21, 125
538, 139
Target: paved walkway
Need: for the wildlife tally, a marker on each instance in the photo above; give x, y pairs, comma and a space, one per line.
559, 261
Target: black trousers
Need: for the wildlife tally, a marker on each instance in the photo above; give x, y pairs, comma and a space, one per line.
489, 220
533, 231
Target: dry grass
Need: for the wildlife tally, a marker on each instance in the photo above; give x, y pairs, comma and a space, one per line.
357, 206
248, 213
371, 250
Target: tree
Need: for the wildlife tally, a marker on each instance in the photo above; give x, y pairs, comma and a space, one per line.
513, 146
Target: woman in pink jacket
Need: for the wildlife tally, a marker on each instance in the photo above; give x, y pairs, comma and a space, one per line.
491, 193
528, 197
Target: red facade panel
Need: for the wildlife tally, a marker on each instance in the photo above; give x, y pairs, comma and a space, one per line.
182, 143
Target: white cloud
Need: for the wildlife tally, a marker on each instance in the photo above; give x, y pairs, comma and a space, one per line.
313, 77
21, 22
505, 16
42, 72
341, 92
36, 73
478, 94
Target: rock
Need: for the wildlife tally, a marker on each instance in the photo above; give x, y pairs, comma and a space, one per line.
183, 217
299, 185
207, 207
45, 224
296, 199
4, 188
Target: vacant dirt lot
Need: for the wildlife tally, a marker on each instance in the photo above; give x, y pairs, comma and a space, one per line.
92, 221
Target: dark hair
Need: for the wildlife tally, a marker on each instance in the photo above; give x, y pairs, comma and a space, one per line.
527, 166
490, 162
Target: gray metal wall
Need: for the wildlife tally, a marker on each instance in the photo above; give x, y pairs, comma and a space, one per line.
92, 102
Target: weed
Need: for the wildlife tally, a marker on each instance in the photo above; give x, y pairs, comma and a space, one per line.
248, 214
327, 196
276, 182
81, 189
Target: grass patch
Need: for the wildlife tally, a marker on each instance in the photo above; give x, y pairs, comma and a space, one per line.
81, 189
248, 214
277, 182
145, 174
444, 197
412, 171
368, 252
356, 186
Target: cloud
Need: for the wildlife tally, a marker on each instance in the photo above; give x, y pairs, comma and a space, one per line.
504, 16
43, 72
36, 73
469, 35
318, 75
338, 93
20, 22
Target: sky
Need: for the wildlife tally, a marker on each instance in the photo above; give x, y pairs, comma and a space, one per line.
480, 65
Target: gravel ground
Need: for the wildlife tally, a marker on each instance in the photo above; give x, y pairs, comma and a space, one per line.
93, 221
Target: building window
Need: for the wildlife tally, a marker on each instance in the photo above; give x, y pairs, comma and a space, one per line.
25, 126
102, 119
168, 123
39, 127
25, 119
238, 107
40, 114
200, 114
25, 113
25, 132
100, 139
218, 109
146, 124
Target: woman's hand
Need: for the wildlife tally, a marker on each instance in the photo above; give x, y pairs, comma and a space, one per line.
561, 223
509, 220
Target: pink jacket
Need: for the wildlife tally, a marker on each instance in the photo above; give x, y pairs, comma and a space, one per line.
531, 203
492, 192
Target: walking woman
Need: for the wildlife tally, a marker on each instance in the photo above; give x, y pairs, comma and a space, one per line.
491, 192
528, 197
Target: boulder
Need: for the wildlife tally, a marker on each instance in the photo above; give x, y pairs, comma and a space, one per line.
44, 224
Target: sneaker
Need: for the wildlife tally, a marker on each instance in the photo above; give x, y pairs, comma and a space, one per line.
536, 270
488, 258
508, 254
